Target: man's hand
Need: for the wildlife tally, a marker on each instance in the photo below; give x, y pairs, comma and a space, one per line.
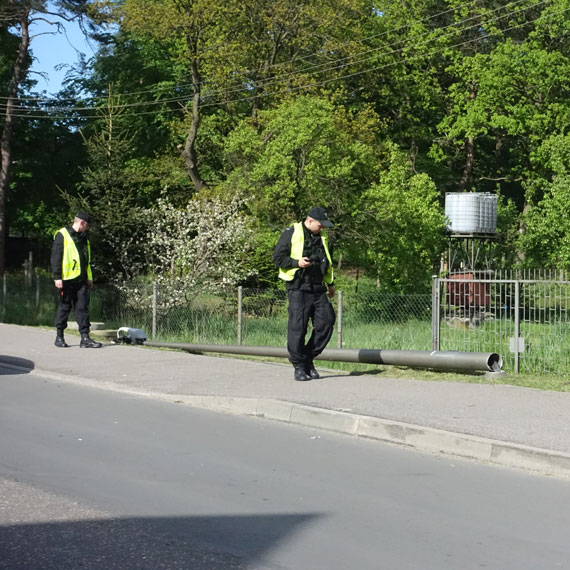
58, 283
331, 291
304, 262
89, 284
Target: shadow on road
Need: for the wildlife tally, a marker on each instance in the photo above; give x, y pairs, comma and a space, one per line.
173, 543
15, 365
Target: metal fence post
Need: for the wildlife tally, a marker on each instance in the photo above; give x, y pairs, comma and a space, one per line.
435, 312
239, 313
154, 308
28, 268
339, 321
517, 331
37, 291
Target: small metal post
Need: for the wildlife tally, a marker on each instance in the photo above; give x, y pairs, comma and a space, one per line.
239, 313
435, 312
154, 308
339, 320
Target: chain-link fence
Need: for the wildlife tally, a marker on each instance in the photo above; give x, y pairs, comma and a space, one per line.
522, 316
28, 300
240, 316
258, 317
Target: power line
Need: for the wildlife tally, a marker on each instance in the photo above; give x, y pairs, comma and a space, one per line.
326, 65
352, 61
279, 80
278, 64
326, 81
183, 99
302, 87
385, 32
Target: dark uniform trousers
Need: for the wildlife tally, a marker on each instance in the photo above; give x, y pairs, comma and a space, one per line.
73, 296
308, 304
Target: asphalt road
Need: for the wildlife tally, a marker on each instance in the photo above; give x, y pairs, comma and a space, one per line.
92, 479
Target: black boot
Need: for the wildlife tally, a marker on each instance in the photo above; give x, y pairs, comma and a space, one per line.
87, 342
60, 341
300, 374
311, 371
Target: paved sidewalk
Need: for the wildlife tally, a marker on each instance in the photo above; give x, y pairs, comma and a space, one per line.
505, 425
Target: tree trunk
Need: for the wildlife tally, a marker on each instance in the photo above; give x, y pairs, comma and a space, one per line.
6, 142
189, 152
269, 63
468, 170
470, 149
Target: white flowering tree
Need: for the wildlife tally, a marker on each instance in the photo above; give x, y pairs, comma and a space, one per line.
201, 247
186, 251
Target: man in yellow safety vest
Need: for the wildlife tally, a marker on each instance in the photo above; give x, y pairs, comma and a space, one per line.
71, 267
305, 264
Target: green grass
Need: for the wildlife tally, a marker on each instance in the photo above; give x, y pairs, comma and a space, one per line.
23, 309
546, 345
538, 382
410, 335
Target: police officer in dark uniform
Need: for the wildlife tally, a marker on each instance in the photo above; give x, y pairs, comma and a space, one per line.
304, 261
71, 267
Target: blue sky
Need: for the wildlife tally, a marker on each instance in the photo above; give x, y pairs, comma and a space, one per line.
52, 49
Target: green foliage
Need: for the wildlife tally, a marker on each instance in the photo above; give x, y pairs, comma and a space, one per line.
545, 240
259, 264
504, 101
140, 73
39, 156
41, 170
401, 227
307, 151
8, 48
28, 303
508, 233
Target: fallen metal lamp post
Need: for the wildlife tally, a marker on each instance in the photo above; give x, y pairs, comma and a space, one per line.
442, 360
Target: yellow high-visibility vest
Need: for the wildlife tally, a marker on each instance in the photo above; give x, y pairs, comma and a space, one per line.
297, 243
71, 265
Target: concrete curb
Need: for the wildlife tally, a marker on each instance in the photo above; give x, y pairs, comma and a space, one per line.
389, 431
417, 437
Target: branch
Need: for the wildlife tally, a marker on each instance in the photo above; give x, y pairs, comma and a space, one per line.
501, 178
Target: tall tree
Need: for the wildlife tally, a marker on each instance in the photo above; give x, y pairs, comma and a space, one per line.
19, 15
240, 54
505, 97
16, 14
191, 31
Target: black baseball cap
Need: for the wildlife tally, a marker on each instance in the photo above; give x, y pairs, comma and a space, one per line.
83, 216
320, 214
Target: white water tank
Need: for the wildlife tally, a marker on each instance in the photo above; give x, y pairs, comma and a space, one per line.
471, 212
